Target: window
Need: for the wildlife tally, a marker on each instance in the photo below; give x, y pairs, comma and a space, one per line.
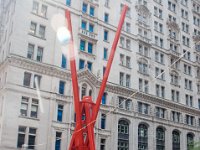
159, 57
143, 85
82, 45
199, 103
34, 108
158, 12
123, 135
142, 137
90, 47
103, 121
171, 6
84, 25
105, 53
84, 8
184, 2
189, 100
121, 78
58, 141
83, 90
184, 14
186, 41
143, 50
91, 11
68, 2
128, 78
128, 62
42, 31
125, 103
160, 139
44, 11
143, 108
160, 91
106, 3
160, 112
91, 27
104, 98
175, 140
175, 95
143, 68
40, 54
21, 136
37, 81
106, 17
159, 42
35, 7
102, 144
190, 141
105, 35
61, 87
22, 133
159, 73
27, 79
158, 27
30, 53
60, 112
175, 116
81, 64
89, 65
31, 138
185, 27
33, 28
24, 106
188, 84
64, 61
187, 69
189, 120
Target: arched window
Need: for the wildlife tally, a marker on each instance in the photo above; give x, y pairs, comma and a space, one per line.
190, 141
83, 90
123, 135
175, 140
142, 137
160, 139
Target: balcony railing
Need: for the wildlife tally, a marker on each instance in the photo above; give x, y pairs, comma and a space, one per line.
88, 34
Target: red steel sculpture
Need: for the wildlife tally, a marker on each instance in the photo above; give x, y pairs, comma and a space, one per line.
83, 136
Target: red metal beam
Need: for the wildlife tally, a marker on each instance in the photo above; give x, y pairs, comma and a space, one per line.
79, 139
109, 63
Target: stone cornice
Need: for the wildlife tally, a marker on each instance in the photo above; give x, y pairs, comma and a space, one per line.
50, 70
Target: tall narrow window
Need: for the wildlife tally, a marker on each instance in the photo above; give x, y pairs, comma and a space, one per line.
105, 35
61, 87
31, 138
102, 144
90, 47
40, 54
89, 65
91, 27
175, 140
123, 135
21, 136
24, 106
83, 90
58, 141
81, 64
37, 80
82, 45
33, 28
106, 17
44, 11
160, 139
190, 141
104, 98
42, 31
142, 137
105, 53
103, 121
84, 8
84, 25
27, 79
91, 11
30, 53
60, 113
35, 7
64, 61
34, 108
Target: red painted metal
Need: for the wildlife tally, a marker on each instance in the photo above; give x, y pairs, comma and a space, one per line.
83, 137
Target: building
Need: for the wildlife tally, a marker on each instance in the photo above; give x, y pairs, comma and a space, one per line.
152, 100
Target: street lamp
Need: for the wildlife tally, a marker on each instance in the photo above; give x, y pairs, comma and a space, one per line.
83, 136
